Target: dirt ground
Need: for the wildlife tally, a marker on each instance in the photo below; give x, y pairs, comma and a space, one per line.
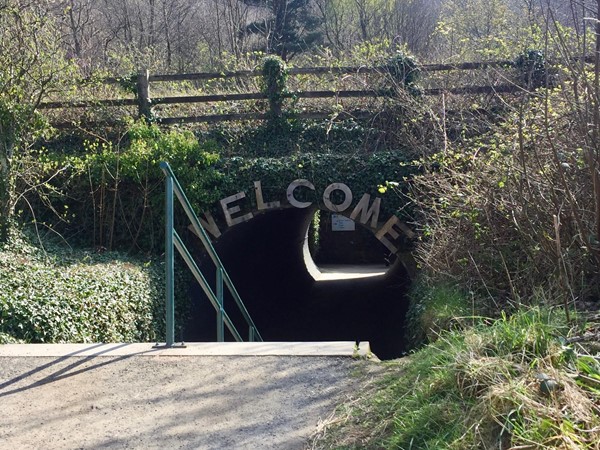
168, 402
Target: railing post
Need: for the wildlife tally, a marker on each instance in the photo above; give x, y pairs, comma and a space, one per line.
220, 300
172, 242
169, 265
143, 95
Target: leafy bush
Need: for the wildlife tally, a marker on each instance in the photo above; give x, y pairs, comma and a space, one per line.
511, 210
66, 296
32, 64
116, 188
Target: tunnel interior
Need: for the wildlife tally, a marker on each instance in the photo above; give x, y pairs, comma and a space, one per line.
268, 261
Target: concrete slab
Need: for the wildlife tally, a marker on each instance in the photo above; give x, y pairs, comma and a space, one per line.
338, 348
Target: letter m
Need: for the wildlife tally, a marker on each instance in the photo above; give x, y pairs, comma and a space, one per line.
365, 212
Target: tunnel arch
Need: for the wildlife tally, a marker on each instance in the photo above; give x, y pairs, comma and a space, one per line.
365, 213
266, 257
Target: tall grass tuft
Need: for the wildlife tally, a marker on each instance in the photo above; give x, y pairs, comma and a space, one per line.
509, 383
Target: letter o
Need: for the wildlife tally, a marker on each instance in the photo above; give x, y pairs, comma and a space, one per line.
337, 187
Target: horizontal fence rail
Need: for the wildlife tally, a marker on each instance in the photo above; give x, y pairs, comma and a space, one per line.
347, 70
145, 103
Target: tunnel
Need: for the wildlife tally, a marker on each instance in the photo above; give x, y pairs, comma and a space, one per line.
290, 298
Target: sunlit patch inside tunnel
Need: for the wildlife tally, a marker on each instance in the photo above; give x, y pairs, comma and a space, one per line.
337, 248
360, 294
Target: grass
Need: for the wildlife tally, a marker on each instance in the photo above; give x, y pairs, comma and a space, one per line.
485, 387
434, 308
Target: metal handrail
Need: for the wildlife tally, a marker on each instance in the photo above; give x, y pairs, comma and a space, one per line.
173, 240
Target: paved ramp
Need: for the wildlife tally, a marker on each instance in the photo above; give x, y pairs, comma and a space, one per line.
204, 396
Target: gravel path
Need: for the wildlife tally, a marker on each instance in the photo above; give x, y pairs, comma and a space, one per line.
168, 402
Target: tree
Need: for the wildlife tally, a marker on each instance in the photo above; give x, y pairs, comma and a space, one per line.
407, 23
289, 26
475, 29
31, 67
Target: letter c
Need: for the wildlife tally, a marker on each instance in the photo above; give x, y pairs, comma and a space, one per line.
290, 193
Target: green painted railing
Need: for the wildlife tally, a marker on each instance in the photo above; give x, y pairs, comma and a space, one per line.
172, 241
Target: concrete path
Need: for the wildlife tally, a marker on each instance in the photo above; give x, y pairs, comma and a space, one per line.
204, 396
350, 271
328, 272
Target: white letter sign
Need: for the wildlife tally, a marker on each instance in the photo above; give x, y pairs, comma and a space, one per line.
337, 187
290, 193
260, 203
362, 208
388, 228
229, 212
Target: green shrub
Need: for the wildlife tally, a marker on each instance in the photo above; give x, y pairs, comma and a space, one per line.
66, 296
511, 209
113, 191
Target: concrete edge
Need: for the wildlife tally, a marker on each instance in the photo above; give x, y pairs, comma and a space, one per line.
337, 348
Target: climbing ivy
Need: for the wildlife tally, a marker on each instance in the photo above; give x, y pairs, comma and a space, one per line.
361, 173
532, 68
404, 72
274, 83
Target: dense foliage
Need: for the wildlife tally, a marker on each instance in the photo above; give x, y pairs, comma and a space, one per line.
116, 188
60, 295
514, 209
361, 173
31, 67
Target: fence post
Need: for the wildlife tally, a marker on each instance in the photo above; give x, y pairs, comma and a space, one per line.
143, 94
275, 74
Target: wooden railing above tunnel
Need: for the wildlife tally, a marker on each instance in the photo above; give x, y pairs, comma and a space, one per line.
143, 102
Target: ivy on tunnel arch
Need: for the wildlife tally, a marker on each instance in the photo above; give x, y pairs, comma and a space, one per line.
363, 174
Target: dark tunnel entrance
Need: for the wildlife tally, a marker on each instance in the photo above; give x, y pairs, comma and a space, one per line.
265, 258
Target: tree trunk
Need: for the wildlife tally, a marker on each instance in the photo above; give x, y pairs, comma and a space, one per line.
9, 132
5, 187
74, 30
595, 147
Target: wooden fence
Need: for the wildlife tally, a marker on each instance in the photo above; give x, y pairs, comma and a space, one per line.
145, 102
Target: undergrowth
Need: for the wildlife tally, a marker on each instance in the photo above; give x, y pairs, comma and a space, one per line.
510, 383
436, 307
51, 293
